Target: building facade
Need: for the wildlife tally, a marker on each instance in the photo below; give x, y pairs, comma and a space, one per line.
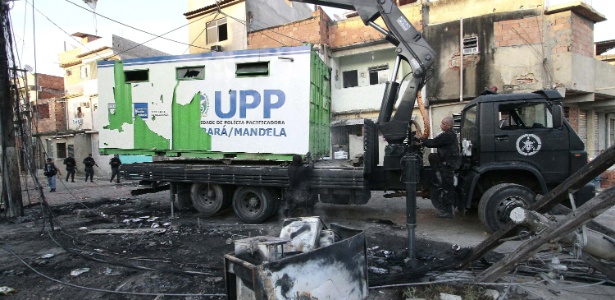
43, 97
518, 46
224, 25
80, 137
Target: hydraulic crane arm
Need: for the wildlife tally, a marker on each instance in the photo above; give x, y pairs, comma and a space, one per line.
411, 47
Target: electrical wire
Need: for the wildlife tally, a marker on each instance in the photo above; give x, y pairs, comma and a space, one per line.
62, 29
137, 29
104, 290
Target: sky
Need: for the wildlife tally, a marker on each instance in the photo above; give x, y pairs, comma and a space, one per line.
56, 20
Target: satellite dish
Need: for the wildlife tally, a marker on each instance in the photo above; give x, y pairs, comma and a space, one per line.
28, 68
91, 3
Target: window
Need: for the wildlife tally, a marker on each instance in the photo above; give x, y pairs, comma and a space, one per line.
136, 75
216, 31
85, 71
260, 68
43, 111
189, 73
469, 130
350, 78
524, 115
470, 45
378, 75
61, 150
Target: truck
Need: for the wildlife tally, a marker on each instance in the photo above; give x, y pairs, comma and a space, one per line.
223, 127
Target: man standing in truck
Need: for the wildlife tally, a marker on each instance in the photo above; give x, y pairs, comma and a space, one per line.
444, 164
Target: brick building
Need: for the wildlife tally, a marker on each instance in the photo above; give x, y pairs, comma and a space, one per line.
45, 96
516, 46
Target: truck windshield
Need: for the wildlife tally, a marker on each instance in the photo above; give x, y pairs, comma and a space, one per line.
514, 116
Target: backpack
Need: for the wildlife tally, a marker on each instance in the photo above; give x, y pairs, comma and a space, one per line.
50, 170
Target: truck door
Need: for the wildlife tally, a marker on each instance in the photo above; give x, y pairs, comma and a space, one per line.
525, 133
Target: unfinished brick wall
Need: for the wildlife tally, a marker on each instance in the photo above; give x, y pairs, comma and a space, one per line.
582, 41
319, 29
314, 30
518, 32
51, 86
573, 117
55, 120
352, 31
571, 33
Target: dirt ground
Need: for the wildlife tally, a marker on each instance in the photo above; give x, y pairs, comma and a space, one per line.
165, 254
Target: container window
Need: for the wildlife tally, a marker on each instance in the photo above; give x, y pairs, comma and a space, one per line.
191, 73
137, 75
260, 68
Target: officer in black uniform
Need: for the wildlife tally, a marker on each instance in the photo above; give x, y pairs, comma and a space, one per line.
445, 162
71, 165
89, 164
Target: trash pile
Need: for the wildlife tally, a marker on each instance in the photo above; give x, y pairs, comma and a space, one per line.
307, 259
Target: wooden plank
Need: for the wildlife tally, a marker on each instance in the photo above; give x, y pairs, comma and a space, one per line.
127, 231
589, 210
599, 266
552, 198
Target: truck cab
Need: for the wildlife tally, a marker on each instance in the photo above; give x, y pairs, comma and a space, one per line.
513, 147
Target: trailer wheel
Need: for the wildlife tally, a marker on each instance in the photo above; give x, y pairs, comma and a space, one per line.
208, 198
253, 204
496, 204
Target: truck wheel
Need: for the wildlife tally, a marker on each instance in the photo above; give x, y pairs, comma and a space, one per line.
208, 198
253, 204
496, 204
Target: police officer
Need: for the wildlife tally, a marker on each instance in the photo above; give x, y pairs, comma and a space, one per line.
71, 165
444, 163
115, 163
89, 167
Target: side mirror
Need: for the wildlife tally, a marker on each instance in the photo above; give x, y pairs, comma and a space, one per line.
558, 116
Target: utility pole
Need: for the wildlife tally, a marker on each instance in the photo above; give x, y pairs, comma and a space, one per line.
11, 185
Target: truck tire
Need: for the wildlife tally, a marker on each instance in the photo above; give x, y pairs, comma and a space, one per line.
209, 198
498, 201
253, 204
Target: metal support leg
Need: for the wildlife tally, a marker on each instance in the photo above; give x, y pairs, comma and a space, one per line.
410, 170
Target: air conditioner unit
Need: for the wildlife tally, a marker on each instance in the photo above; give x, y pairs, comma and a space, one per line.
467, 51
216, 48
